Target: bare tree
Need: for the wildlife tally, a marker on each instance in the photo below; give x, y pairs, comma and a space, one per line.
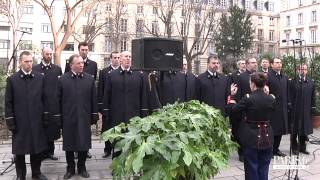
95, 24
196, 29
13, 11
73, 10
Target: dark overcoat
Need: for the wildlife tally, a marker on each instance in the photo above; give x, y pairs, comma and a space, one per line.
124, 96
79, 110
51, 74
24, 112
213, 90
279, 87
303, 99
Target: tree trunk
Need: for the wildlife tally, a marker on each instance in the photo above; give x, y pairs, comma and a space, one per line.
57, 56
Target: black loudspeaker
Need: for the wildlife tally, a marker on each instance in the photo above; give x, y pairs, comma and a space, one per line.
159, 54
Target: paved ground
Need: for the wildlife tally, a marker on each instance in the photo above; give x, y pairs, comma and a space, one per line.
99, 168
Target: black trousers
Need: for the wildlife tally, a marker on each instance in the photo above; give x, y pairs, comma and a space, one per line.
81, 165
276, 143
21, 169
108, 146
50, 150
302, 142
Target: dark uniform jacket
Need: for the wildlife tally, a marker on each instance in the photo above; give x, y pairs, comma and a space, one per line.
90, 67
255, 131
124, 96
191, 81
279, 87
51, 74
78, 109
24, 112
244, 84
213, 90
304, 104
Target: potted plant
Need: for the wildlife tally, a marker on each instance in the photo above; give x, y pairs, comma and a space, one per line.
181, 141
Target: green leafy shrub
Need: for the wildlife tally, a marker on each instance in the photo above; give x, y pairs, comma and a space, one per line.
182, 141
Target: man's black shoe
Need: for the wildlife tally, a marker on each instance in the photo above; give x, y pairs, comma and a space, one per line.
304, 151
21, 178
52, 157
295, 151
89, 155
241, 159
68, 175
40, 177
106, 154
84, 173
279, 153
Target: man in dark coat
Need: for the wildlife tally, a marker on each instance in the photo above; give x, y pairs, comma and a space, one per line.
79, 110
51, 74
212, 86
265, 64
278, 84
191, 81
90, 66
244, 85
115, 63
124, 94
235, 118
303, 99
26, 116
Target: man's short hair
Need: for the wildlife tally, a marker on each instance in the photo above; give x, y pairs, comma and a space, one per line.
24, 53
215, 57
272, 60
71, 58
113, 52
82, 44
247, 60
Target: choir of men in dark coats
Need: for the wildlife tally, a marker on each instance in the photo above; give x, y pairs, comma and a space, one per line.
235, 118
90, 66
278, 84
124, 94
115, 64
302, 94
51, 74
26, 116
78, 110
212, 86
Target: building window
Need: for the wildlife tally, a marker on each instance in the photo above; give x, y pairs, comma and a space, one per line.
109, 27
45, 28
27, 10
123, 45
260, 49
271, 35
314, 1
288, 20
247, 4
154, 27
197, 46
211, 1
44, 12
211, 48
182, 29
69, 47
124, 8
4, 28
314, 16
46, 44
260, 5
154, 10
108, 44
299, 35
123, 25
223, 4
28, 29
139, 26
108, 7
288, 37
87, 29
271, 21
25, 45
271, 49
140, 9
313, 36
91, 47
300, 2
183, 12
300, 18
4, 44
271, 6
260, 34
260, 20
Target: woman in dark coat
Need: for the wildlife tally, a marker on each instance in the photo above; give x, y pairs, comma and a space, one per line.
255, 132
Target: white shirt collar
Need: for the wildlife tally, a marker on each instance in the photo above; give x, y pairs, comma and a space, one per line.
25, 72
